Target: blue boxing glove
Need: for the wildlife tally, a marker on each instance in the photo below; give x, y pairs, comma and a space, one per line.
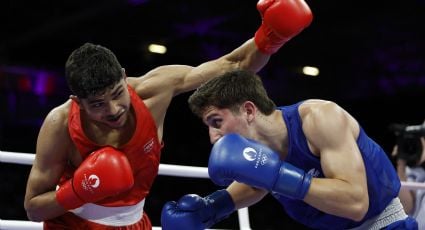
234, 157
193, 212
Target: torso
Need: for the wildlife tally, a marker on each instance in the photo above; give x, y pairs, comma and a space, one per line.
138, 140
381, 189
113, 137
117, 137
106, 136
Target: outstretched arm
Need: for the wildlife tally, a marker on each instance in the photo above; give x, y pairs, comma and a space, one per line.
195, 212
171, 80
244, 195
282, 20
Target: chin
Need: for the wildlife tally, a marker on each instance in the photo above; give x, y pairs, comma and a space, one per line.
117, 124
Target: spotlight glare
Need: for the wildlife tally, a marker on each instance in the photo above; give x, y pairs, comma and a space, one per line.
159, 49
310, 71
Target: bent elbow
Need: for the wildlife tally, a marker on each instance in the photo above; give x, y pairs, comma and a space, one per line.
359, 211
33, 214
33, 217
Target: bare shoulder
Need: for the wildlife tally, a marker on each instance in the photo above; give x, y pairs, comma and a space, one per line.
314, 108
322, 117
52, 152
58, 116
53, 149
54, 131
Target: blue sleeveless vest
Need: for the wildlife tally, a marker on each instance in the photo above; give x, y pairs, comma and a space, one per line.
382, 180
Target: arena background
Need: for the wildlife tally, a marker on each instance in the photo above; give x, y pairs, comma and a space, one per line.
371, 56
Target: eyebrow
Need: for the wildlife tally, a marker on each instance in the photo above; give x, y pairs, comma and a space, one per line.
95, 101
115, 91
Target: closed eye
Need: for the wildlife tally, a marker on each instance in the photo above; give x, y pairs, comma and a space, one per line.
96, 104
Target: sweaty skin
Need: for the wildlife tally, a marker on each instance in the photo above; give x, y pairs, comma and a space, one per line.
109, 119
344, 190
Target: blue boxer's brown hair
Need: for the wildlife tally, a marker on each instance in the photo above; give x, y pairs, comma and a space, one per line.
229, 91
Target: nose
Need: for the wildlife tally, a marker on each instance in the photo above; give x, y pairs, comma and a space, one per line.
113, 108
215, 134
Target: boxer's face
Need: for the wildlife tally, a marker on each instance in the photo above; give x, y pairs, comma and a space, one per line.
110, 107
224, 121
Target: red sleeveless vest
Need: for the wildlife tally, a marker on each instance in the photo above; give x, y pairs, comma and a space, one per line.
143, 151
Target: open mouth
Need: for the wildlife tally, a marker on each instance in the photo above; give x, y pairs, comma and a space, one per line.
115, 118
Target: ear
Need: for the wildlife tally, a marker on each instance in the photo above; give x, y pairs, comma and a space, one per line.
124, 75
250, 110
75, 98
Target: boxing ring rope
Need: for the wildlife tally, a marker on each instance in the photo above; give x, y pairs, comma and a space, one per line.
164, 170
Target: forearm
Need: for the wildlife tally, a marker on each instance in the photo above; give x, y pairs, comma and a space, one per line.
40, 198
244, 195
407, 200
338, 197
406, 196
43, 207
247, 57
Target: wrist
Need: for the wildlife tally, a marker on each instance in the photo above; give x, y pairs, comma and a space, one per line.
292, 182
220, 204
266, 40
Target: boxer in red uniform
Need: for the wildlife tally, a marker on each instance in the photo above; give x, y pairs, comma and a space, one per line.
113, 122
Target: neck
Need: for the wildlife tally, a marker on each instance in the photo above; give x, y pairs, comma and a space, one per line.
272, 131
104, 134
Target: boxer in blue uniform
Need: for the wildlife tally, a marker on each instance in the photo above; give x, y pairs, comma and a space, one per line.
312, 156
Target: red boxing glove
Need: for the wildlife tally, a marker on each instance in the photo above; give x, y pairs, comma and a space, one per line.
282, 20
105, 172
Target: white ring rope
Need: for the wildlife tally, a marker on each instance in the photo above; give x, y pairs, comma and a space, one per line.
164, 170
28, 225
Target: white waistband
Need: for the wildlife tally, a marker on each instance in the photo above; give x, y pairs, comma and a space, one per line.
392, 213
112, 216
